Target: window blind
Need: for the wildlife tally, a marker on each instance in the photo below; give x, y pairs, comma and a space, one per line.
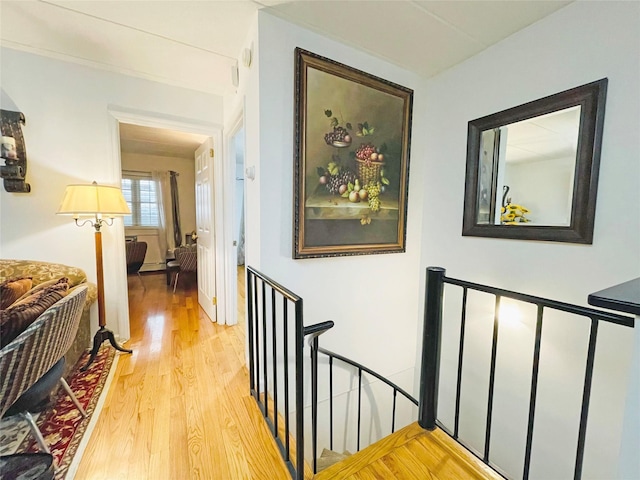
140, 193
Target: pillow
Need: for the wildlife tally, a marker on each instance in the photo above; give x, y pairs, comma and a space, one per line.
15, 319
12, 289
43, 285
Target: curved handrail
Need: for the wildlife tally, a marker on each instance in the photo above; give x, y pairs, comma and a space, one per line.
370, 372
317, 329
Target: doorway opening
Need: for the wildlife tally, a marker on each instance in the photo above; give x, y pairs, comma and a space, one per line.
239, 217
158, 183
235, 210
159, 137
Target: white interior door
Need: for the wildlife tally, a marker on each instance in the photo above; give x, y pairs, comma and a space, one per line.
206, 233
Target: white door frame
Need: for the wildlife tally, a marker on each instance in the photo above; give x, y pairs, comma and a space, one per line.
119, 115
230, 259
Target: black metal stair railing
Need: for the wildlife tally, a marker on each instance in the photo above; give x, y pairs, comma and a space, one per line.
428, 408
264, 366
315, 350
268, 312
269, 375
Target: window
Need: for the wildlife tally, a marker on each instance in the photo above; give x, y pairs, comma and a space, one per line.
140, 194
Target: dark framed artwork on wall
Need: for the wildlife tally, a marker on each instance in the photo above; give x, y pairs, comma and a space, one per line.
351, 168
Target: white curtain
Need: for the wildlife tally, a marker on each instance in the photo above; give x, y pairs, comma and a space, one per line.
165, 230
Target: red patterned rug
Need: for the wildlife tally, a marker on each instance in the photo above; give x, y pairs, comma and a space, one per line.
61, 424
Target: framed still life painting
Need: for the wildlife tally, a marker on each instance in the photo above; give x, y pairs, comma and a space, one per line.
351, 176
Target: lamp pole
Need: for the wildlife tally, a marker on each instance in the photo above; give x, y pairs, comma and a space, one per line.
103, 332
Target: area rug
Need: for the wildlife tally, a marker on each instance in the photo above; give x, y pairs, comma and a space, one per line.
61, 424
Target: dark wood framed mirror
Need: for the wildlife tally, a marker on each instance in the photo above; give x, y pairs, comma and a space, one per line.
532, 170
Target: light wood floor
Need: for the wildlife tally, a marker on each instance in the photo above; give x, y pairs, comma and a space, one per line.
411, 453
179, 408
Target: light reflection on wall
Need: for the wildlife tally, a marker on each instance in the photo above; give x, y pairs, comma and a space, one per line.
509, 313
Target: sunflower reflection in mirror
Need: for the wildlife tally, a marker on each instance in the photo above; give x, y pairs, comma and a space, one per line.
513, 214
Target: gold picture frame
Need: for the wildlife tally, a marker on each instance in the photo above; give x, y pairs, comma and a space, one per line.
351, 168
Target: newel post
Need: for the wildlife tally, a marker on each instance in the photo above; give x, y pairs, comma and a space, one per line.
428, 401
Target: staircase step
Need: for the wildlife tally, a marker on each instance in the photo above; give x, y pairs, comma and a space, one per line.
329, 458
412, 453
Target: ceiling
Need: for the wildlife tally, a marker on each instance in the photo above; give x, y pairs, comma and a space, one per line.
195, 44
546, 137
136, 139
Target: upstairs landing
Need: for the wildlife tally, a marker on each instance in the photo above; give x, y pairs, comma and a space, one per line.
411, 453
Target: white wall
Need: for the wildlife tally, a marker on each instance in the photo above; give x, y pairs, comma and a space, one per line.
373, 299
369, 297
69, 139
583, 42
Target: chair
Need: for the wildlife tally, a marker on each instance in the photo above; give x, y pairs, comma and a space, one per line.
186, 261
135, 252
32, 363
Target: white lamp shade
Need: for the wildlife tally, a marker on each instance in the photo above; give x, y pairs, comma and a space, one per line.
93, 199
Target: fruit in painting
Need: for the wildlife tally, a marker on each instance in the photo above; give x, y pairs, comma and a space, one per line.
343, 176
339, 134
354, 197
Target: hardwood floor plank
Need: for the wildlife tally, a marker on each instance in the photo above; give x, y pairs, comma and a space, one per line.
376, 471
178, 436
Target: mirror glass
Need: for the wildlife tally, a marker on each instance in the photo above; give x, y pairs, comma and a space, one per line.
532, 170
533, 162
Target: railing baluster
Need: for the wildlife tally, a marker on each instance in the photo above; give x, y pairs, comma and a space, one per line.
285, 340
428, 406
492, 378
257, 341
586, 396
275, 360
249, 278
359, 402
331, 403
299, 391
393, 412
534, 392
265, 350
463, 321
314, 402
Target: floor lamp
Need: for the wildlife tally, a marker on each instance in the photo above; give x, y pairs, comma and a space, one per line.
101, 203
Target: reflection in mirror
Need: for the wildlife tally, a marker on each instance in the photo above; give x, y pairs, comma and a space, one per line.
532, 170
529, 164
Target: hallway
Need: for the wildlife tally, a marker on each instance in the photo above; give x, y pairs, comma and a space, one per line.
179, 407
